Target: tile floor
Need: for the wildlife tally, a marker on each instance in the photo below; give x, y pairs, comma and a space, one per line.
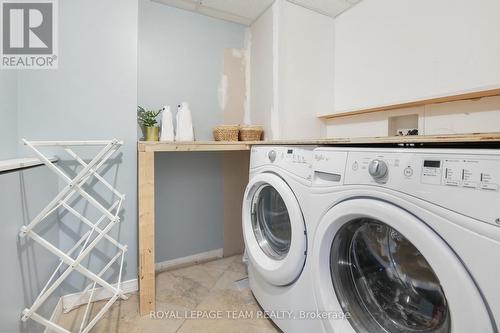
208, 289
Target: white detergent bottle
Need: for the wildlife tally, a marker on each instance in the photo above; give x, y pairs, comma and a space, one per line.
184, 131
167, 125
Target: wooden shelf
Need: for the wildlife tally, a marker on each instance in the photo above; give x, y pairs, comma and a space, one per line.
148, 146
434, 100
416, 139
155, 146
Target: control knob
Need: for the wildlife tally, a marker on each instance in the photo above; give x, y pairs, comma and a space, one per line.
272, 155
377, 169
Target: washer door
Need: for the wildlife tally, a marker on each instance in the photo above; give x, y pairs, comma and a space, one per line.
389, 272
273, 229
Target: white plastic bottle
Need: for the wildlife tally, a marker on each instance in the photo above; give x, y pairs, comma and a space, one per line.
167, 125
184, 130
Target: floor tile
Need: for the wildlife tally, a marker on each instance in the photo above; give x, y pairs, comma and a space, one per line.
199, 289
220, 264
237, 265
223, 326
181, 291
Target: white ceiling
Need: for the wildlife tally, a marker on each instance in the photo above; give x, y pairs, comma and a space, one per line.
247, 11
328, 7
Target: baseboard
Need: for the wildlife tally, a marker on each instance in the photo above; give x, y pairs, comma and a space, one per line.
131, 285
189, 260
99, 294
56, 314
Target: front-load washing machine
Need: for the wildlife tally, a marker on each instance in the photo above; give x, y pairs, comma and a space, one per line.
408, 240
276, 233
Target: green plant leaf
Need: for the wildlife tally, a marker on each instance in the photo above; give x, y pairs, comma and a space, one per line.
147, 117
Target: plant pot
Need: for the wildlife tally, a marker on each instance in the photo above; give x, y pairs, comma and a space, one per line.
152, 133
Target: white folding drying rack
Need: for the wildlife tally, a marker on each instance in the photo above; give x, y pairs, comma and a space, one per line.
71, 261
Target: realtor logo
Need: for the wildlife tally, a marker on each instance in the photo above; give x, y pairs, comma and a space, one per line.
29, 34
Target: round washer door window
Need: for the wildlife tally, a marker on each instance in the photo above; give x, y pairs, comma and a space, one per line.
380, 269
384, 282
274, 229
271, 222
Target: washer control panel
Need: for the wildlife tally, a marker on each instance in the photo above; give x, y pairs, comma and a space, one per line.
378, 169
465, 181
477, 174
471, 173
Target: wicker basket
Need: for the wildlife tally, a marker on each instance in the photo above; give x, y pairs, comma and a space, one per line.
226, 133
251, 133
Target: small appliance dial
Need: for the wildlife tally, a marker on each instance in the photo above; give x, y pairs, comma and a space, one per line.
377, 169
408, 171
272, 155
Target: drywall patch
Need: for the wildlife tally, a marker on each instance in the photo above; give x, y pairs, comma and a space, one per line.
237, 53
247, 117
232, 88
222, 91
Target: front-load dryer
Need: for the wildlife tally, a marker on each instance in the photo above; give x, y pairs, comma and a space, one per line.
276, 233
408, 240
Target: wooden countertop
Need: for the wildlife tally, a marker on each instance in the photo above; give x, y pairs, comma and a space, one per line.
150, 146
155, 146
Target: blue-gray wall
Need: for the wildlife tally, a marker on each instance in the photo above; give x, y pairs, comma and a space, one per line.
93, 95
8, 114
181, 59
189, 206
26, 266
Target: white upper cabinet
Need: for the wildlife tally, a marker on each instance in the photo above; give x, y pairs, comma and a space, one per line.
396, 51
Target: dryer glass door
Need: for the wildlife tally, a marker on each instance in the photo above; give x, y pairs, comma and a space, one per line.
271, 222
384, 282
274, 229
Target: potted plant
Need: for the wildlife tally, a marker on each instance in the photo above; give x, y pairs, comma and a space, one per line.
147, 118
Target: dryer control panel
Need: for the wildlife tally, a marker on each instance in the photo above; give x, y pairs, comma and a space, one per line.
294, 159
465, 181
